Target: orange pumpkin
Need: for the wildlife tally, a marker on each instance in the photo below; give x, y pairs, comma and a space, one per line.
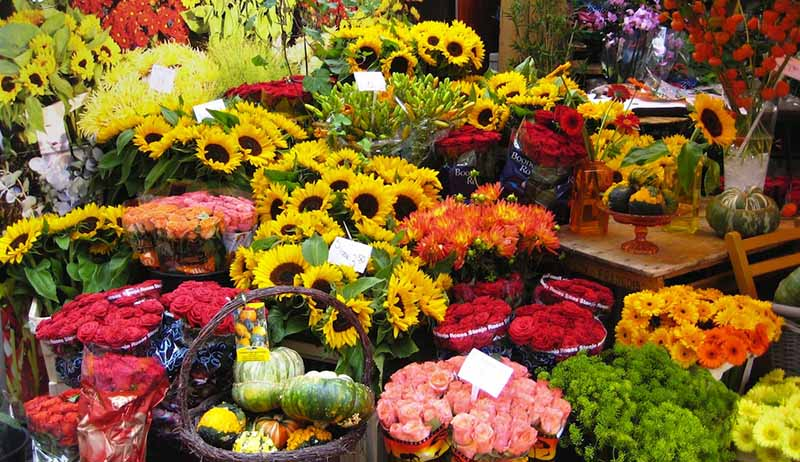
277, 427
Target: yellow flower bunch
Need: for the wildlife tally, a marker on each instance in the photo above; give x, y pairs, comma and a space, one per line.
699, 325
768, 419
308, 436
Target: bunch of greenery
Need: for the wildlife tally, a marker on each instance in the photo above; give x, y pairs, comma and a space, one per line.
543, 29
636, 404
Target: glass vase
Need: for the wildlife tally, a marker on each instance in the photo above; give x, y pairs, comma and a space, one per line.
624, 54
687, 216
747, 159
592, 178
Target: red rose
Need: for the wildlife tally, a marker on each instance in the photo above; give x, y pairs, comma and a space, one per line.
181, 305
490, 289
461, 345
463, 292
87, 331
521, 330
481, 318
544, 117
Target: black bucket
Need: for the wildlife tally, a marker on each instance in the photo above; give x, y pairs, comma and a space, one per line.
15, 444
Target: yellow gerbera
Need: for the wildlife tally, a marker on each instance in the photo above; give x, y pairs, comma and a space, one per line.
337, 332
408, 198
742, 436
647, 302
345, 158
717, 124
682, 354
399, 62
367, 198
151, 136
769, 430
258, 148
608, 110
401, 304
217, 150
82, 63
34, 78
487, 115
279, 266
338, 179
9, 89
312, 196
18, 239
364, 52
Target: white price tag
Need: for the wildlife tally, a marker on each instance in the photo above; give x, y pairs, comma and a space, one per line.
485, 373
161, 78
54, 137
792, 69
201, 110
370, 81
351, 253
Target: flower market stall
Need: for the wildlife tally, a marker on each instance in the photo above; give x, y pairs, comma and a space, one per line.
345, 231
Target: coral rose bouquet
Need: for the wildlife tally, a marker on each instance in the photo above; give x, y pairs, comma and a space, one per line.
562, 329
188, 239
474, 324
53, 421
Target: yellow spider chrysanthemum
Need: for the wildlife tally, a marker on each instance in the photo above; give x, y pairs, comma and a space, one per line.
18, 239
311, 197
345, 158
498, 81
34, 79
9, 89
82, 63
258, 148
399, 62
337, 332
151, 136
717, 124
271, 200
319, 222
364, 53
408, 198
487, 115
279, 266
288, 226
401, 304
241, 269
338, 179
217, 150
42, 44
108, 52
367, 198
88, 220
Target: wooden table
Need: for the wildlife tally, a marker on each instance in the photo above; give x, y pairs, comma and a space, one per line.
699, 259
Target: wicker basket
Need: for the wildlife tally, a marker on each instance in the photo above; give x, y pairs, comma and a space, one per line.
188, 418
785, 354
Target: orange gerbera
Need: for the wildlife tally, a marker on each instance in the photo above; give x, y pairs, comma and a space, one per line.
683, 355
759, 340
710, 356
734, 351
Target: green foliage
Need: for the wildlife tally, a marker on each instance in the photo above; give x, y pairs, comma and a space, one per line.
543, 30
636, 404
235, 55
254, 19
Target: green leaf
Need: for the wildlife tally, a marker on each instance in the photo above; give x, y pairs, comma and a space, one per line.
280, 177
691, 154
642, 156
379, 359
124, 138
403, 347
61, 39
275, 324
318, 82
35, 116
296, 324
62, 241
315, 250
41, 280
711, 180
264, 244
444, 266
225, 118
14, 38
53, 23
72, 271
8, 67
259, 60
360, 285
10, 421
109, 161
157, 172
127, 164
62, 87
170, 116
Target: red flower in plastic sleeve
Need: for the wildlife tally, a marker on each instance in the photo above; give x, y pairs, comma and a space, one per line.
522, 330
88, 331
544, 117
481, 318
464, 292
462, 344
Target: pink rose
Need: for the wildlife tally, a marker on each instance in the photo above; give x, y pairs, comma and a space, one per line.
483, 435
463, 425
408, 411
415, 431
502, 433
386, 412
443, 411
522, 440
551, 421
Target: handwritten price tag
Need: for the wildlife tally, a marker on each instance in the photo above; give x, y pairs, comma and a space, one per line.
351, 253
485, 373
161, 79
370, 81
792, 69
201, 110
54, 137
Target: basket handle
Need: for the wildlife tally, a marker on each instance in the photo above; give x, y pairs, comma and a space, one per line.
240, 301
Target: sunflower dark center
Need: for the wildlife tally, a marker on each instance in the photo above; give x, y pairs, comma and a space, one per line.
105, 50
82, 63
153, 137
711, 122
276, 208
284, 273
367, 56
321, 284
252, 144
485, 116
217, 153
288, 229
399, 65
455, 49
36, 79
341, 324
89, 224
367, 204
404, 206
340, 185
433, 40
8, 83
512, 94
18, 241
310, 203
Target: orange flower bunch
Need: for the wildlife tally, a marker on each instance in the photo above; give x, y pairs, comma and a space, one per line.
699, 325
172, 221
744, 51
486, 234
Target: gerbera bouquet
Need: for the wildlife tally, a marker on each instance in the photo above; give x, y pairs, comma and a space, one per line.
422, 398
563, 329
473, 324
139, 23
52, 56
481, 240
699, 325
768, 418
53, 420
55, 258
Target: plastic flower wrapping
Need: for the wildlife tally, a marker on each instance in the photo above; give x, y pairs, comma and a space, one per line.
421, 398
699, 325
53, 420
474, 324
197, 302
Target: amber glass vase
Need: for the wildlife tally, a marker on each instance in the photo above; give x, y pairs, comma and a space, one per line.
592, 178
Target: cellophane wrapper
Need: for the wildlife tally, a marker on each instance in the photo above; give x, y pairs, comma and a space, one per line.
118, 394
47, 449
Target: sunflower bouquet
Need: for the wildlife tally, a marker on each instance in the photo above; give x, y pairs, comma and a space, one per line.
699, 325
768, 419
49, 56
56, 257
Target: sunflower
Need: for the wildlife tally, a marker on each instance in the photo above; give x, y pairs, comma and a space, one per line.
185, 130
88, 221
41, 43
338, 332
312, 196
345, 158
279, 266
34, 78
241, 269
271, 200
82, 63
408, 198
319, 222
399, 62
487, 115
108, 52
325, 277
401, 304
9, 89
513, 78
257, 147
364, 52
218, 150
455, 49
151, 136
511, 90
311, 155
374, 231
338, 179
18, 239
113, 219
389, 168
717, 124
288, 227
368, 198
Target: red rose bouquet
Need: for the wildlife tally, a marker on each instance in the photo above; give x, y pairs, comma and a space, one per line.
465, 139
419, 399
586, 294
53, 420
554, 138
562, 329
117, 394
197, 302
120, 327
475, 324
509, 289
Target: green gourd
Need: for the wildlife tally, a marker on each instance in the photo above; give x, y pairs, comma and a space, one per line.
220, 425
750, 212
253, 442
258, 384
326, 397
617, 197
788, 292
